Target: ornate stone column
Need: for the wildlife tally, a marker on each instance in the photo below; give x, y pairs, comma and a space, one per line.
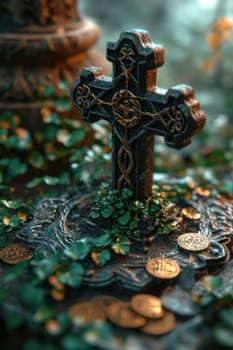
43, 44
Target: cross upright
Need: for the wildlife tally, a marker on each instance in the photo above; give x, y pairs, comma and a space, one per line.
137, 109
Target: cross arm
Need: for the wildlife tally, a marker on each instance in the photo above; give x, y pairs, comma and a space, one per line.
175, 114
91, 94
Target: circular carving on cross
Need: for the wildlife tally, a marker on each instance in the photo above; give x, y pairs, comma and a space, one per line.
83, 93
126, 108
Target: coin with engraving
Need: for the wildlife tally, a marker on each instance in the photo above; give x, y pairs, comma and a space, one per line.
84, 312
147, 305
191, 213
194, 242
14, 253
160, 326
121, 314
163, 268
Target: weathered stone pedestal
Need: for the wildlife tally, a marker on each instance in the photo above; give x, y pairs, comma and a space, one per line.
43, 44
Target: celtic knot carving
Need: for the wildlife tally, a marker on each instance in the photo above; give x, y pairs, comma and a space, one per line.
126, 108
128, 55
125, 170
83, 94
172, 119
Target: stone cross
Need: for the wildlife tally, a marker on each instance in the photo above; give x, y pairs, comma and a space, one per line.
137, 109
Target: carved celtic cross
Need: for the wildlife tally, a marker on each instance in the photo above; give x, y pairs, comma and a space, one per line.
137, 109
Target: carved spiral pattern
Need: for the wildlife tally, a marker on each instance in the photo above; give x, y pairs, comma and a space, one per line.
126, 108
82, 96
126, 171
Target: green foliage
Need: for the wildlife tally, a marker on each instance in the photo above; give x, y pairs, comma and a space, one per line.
43, 268
127, 216
78, 251
221, 307
31, 296
71, 274
55, 149
13, 213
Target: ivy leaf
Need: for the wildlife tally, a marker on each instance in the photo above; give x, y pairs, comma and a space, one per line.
71, 274
63, 320
133, 225
94, 214
73, 342
51, 180
64, 178
166, 229
126, 193
95, 332
78, 251
16, 271
102, 241
43, 314
100, 258
106, 212
16, 167
226, 316
36, 159
119, 205
46, 267
12, 204
14, 221
63, 104
155, 207
121, 246
48, 90
223, 335
34, 182
31, 296
124, 219
75, 137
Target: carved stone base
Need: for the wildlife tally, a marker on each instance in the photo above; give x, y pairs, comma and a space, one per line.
58, 222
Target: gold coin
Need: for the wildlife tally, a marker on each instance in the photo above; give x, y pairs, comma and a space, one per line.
191, 213
160, 326
147, 305
85, 311
104, 301
122, 315
194, 242
203, 192
163, 268
14, 253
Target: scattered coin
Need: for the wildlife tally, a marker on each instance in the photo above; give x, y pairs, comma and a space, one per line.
147, 305
160, 326
122, 315
203, 192
192, 241
14, 253
85, 311
191, 213
163, 268
104, 301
